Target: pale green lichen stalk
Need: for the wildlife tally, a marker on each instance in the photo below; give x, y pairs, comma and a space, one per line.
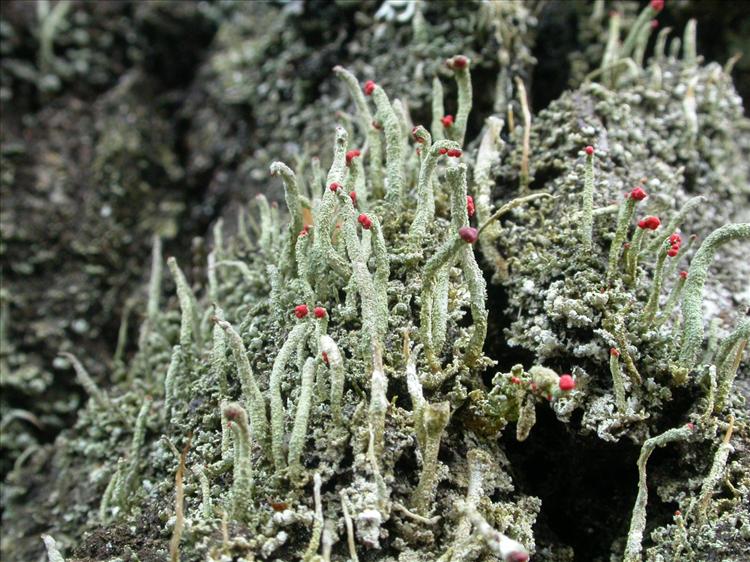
323, 251
85, 380
292, 197
434, 419
242, 485
618, 383
652, 306
728, 357
205, 484
395, 189
171, 380
189, 325
624, 217
438, 110
338, 374
374, 142
633, 546
692, 293
254, 400
698, 508
489, 151
378, 407
587, 218
460, 66
296, 337
425, 212
299, 431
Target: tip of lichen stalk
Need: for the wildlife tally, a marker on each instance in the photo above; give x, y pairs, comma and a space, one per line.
654, 24
443, 151
369, 87
683, 274
231, 411
650, 222
566, 382
638, 194
334, 186
305, 230
458, 62
517, 557
301, 310
589, 150
454, 153
365, 221
657, 5
614, 351
319, 312
351, 155
353, 197
468, 234
447, 121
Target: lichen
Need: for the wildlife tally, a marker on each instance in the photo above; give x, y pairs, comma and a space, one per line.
330, 381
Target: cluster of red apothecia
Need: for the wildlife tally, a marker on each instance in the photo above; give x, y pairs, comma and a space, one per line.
676, 241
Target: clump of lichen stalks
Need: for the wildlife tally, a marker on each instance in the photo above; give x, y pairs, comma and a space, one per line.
325, 395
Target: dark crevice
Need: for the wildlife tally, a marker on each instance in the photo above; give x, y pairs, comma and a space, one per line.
407, 463
676, 409
542, 178
496, 344
587, 486
556, 39
483, 103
